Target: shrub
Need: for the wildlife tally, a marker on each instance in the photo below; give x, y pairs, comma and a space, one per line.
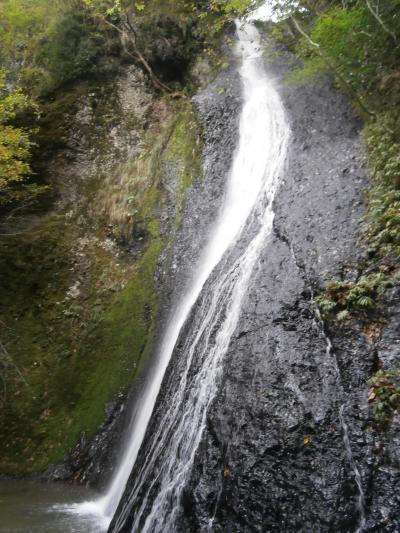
72, 48
341, 298
15, 145
382, 223
385, 396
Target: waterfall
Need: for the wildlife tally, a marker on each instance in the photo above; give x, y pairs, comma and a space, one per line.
259, 161
213, 302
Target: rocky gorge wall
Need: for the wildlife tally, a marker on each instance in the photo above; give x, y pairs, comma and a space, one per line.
105, 261
81, 326
290, 442
216, 112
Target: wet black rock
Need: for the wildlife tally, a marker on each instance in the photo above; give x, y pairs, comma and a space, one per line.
218, 111
289, 444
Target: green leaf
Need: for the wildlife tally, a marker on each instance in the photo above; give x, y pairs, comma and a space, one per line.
342, 315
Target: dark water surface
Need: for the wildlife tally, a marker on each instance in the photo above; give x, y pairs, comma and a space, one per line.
32, 507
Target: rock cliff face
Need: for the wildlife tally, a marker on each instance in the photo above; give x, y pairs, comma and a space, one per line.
274, 456
289, 443
217, 107
94, 460
121, 159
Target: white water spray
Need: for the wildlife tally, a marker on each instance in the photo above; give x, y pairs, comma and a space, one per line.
356, 471
264, 135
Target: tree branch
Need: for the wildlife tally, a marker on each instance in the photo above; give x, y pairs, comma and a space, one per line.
332, 67
375, 14
6, 359
303, 33
138, 55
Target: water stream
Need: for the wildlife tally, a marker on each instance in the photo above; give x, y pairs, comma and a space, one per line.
246, 222
356, 471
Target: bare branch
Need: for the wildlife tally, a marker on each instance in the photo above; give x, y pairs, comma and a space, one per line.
332, 67
376, 15
130, 25
7, 361
303, 33
137, 54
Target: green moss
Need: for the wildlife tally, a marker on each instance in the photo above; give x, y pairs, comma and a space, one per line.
184, 151
112, 351
76, 353
34, 276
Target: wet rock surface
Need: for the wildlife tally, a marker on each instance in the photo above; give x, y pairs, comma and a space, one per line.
289, 444
218, 112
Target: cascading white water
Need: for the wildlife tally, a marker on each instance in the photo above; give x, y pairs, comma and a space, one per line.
356, 471
264, 135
